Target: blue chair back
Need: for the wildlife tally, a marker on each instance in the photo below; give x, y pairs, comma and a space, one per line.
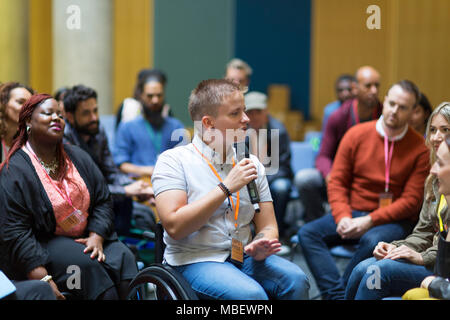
302, 155
108, 122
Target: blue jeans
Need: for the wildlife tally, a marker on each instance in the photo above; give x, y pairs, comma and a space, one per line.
312, 191
317, 236
376, 279
273, 277
280, 190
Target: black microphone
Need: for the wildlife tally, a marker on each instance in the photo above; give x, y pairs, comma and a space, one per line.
241, 153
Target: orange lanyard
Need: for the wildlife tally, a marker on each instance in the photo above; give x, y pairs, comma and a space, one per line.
236, 208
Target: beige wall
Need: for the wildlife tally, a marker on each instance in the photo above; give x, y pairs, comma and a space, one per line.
84, 55
133, 44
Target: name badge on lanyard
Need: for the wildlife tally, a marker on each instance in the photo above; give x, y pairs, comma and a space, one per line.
237, 250
76, 217
73, 220
386, 197
237, 247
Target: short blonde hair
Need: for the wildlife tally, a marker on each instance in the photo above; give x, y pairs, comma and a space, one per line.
209, 95
240, 65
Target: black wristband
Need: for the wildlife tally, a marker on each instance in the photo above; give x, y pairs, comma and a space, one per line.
225, 189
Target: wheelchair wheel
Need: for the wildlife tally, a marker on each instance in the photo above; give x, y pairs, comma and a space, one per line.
168, 283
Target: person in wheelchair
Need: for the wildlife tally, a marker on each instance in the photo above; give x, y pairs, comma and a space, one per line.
205, 208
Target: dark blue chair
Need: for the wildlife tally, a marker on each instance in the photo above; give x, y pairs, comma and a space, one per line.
108, 122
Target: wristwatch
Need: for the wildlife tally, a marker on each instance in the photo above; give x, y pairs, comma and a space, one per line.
47, 278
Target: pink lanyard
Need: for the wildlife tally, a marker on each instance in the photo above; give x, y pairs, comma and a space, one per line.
64, 194
387, 161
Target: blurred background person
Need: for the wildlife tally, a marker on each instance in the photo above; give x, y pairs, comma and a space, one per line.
12, 97
419, 118
345, 90
139, 142
239, 72
261, 145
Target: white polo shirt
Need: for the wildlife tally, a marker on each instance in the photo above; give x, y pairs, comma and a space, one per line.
183, 168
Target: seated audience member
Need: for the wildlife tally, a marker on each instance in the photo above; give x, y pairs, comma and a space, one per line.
239, 72
12, 96
131, 107
83, 130
60, 93
139, 142
375, 190
206, 211
312, 183
403, 264
262, 145
419, 119
345, 90
59, 96
55, 210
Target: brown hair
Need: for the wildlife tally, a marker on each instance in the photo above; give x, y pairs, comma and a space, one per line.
5, 95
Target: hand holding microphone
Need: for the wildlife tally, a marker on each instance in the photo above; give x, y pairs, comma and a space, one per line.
242, 173
242, 154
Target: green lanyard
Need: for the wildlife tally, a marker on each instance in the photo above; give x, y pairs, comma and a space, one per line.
155, 137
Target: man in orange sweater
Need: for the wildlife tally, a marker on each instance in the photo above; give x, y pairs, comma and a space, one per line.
375, 190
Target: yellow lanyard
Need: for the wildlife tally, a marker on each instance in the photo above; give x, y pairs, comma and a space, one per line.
235, 208
442, 204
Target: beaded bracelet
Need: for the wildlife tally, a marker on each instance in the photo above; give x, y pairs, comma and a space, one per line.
225, 189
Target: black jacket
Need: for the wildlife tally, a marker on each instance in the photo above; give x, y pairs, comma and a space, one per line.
26, 213
284, 141
97, 147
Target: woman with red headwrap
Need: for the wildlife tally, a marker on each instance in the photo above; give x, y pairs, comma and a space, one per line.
56, 222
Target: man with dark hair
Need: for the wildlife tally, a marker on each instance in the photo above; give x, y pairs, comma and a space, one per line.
375, 190
83, 129
365, 106
131, 107
345, 90
139, 142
